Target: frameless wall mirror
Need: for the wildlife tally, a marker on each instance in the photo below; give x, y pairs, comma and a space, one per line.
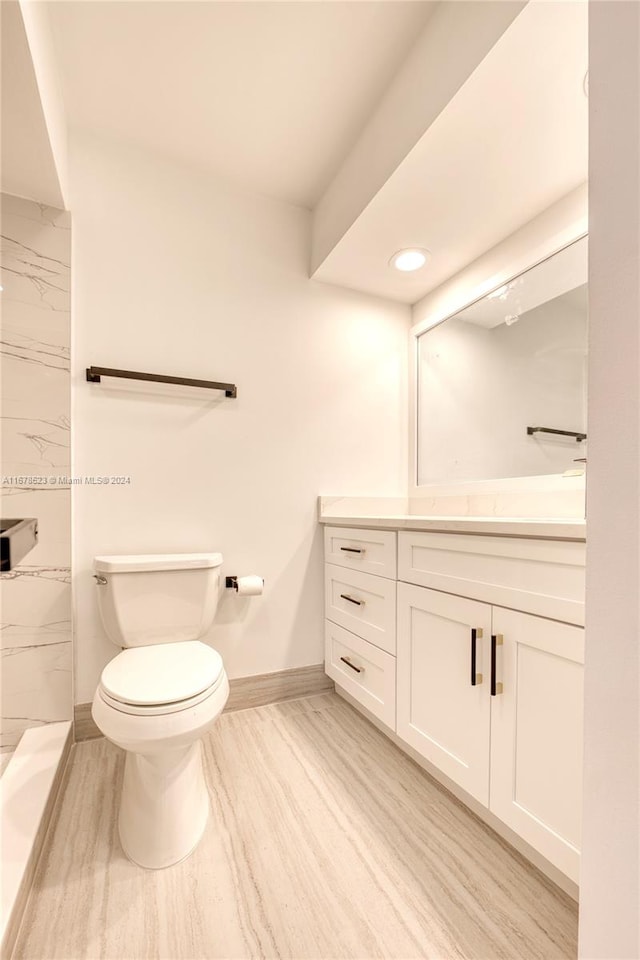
498, 379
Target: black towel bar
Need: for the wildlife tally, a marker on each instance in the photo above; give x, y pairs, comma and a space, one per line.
561, 433
95, 373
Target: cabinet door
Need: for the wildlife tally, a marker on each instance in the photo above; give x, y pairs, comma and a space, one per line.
439, 712
536, 734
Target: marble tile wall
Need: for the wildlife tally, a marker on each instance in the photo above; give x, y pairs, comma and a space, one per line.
35, 597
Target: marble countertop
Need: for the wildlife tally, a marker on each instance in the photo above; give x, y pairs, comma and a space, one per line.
349, 512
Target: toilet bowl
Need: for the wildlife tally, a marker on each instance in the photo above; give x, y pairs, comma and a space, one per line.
157, 699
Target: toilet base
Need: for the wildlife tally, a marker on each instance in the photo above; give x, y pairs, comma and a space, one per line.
164, 806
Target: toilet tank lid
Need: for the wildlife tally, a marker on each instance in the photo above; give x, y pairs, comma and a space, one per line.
156, 561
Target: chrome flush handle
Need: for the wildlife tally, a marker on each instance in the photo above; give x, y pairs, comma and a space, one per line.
99, 580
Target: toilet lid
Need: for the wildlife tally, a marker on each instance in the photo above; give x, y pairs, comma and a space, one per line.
162, 673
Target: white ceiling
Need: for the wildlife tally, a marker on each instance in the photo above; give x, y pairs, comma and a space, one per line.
278, 96
511, 142
26, 162
270, 95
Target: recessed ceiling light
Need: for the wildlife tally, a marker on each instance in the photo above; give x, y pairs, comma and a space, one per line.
413, 258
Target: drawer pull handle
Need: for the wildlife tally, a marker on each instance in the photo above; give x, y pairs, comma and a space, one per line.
352, 665
352, 549
496, 641
345, 596
476, 634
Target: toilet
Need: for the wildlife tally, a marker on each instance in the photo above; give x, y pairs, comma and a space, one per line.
160, 695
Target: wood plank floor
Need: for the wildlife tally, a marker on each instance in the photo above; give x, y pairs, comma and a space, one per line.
324, 841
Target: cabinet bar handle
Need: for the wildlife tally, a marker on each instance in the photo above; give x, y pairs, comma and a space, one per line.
352, 665
496, 641
345, 596
352, 549
476, 634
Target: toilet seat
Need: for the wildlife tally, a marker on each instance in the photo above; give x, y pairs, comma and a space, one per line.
159, 709
162, 678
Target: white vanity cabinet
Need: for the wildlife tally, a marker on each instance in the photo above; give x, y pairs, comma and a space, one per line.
492, 696
360, 616
481, 673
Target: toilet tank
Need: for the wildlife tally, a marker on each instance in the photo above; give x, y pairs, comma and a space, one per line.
157, 598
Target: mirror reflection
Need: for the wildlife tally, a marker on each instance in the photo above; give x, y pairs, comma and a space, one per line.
502, 385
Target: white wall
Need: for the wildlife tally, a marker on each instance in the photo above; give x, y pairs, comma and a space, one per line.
481, 387
174, 274
610, 888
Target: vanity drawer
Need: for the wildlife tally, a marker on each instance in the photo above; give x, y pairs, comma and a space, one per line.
544, 577
362, 603
372, 551
371, 678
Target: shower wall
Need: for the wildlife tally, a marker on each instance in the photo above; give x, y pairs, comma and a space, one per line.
35, 597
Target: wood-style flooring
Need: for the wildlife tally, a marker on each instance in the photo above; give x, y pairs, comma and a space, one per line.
324, 841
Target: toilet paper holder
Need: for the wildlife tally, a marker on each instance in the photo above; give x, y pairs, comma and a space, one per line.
231, 583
